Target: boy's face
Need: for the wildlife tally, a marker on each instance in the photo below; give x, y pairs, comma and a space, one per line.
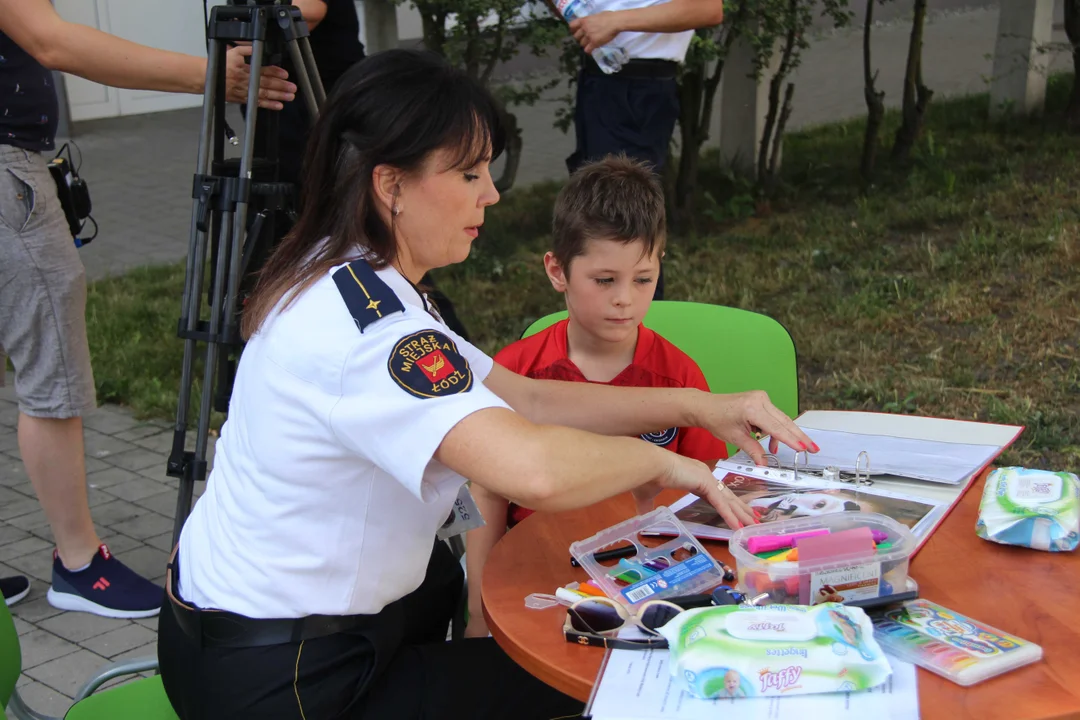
609, 287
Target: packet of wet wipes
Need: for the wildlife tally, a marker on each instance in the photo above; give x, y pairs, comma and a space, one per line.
1038, 509
741, 651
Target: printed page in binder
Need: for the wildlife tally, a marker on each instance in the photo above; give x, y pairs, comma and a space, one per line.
636, 685
780, 496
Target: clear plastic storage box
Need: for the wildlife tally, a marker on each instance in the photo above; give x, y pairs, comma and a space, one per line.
841, 577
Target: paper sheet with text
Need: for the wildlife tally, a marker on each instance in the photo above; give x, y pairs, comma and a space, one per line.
637, 685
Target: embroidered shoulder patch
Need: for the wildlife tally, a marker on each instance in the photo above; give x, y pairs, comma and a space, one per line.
427, 365
661, 437
366, 296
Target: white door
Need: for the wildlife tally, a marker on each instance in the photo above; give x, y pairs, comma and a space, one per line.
175, 25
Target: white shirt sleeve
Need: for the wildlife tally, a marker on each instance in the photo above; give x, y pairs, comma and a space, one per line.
479, 361
405, 384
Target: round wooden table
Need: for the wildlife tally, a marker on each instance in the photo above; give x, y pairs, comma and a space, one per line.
1034, 595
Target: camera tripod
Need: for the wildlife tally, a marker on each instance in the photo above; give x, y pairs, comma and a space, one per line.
225, 191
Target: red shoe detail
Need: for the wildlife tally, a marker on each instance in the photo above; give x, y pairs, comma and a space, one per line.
104, 550
101, 584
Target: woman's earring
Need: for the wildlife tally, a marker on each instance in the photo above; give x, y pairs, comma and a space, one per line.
395, 211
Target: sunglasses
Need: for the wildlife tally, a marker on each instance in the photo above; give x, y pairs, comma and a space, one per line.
595, 621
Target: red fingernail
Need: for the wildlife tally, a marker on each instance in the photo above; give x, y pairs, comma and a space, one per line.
802, 446
814, 447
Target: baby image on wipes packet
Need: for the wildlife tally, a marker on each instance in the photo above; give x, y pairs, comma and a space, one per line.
736, 651
1031, 508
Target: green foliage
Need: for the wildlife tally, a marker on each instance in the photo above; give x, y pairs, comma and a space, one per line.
768, 27
478, 35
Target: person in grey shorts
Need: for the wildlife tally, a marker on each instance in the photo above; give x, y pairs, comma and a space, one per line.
43, 283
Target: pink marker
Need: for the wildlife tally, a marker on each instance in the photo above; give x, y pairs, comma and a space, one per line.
879, 536
767, 543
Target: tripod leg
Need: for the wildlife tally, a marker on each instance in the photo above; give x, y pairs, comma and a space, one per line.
240, 219
176, 465
313, 72
198, 462
303, 77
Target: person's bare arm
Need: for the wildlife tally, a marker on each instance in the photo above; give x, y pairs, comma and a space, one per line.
597, 30
549, 467
313, 11
478, 544
89, 53
632, 411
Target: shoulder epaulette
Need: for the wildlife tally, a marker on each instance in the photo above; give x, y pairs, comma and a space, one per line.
367, 297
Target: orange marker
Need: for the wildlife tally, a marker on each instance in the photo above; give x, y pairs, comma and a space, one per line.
588, 588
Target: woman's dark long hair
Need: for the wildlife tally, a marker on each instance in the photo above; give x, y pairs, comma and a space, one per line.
394, 108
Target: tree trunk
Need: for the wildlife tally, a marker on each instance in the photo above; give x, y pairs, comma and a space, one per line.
778, 139
1072, 29
512, 152
916, 95
433, 22
691, 90
875, 101
770, 137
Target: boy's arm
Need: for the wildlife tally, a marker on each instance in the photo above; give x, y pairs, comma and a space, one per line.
478, 544
675, 16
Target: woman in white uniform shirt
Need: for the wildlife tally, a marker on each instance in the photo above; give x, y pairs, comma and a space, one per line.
307, 585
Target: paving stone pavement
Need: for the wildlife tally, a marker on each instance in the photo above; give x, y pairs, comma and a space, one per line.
139, 169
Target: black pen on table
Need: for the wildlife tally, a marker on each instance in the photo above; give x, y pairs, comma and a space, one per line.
612, 554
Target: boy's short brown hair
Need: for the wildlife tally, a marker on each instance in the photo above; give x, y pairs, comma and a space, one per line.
611, 199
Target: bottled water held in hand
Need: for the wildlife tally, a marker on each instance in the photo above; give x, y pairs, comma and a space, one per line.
610, 58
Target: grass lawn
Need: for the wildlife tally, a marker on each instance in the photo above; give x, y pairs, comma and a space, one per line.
952, 290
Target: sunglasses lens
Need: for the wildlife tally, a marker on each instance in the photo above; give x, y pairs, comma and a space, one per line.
594, 617
657, 616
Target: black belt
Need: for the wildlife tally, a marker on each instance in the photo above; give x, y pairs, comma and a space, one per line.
638, 68
220, 628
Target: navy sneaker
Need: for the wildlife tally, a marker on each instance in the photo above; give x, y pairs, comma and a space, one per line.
108, 588
14, 588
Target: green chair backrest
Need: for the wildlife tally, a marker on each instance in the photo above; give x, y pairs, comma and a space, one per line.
143, 699
737, 350
10, 655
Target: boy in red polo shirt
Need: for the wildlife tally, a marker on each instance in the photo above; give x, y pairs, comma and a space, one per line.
609, 235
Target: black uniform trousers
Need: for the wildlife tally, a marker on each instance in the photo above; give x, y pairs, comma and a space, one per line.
403, 669
626, 112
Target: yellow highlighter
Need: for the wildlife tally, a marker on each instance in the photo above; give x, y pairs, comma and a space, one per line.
790, 556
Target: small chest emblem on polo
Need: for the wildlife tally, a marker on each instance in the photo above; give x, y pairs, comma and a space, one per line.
661, 437
427, 364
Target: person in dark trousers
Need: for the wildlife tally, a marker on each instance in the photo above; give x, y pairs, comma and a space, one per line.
633, 111
43, 283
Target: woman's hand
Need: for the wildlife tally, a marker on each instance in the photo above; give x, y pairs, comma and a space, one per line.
738, 418
694, 476
274, 89
594, 31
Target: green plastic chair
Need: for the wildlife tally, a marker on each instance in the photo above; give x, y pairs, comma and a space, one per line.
142, 699
737, 350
